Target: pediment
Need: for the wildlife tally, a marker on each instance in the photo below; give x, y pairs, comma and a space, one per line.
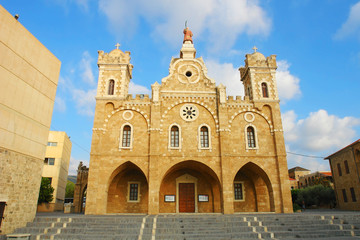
187, 75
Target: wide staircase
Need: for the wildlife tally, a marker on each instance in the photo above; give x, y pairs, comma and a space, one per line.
198, 226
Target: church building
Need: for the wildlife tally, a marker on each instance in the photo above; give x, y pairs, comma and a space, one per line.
189, 148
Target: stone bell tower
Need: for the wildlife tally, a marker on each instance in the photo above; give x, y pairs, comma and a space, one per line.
258, 77
115, 72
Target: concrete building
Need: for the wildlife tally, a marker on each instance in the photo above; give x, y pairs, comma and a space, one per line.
56, 168
345, 168
190, 148
29, 75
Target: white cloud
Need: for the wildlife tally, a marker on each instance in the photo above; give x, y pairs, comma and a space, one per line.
60, 104
138, 89
223, 21
288, 84
226, 74
319, 135
319, 131
74, 163
84, 4
84, 100
85, 66
352, 24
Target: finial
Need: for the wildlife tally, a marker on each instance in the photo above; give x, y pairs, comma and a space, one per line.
254, 48
186, 24
117, 45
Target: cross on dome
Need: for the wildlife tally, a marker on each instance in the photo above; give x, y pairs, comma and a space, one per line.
255, 49
117, 45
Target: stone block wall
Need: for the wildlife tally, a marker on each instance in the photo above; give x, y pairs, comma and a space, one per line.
19, 183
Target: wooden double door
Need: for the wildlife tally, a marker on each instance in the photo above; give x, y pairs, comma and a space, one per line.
186, 197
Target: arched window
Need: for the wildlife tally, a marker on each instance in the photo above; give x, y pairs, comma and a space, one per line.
111, 87
126, 136
174, 136
251, 137
204, 137
265, 92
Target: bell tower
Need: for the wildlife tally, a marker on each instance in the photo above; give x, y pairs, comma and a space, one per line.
115, 72
258, 77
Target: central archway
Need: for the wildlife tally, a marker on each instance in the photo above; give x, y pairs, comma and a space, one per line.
190, 187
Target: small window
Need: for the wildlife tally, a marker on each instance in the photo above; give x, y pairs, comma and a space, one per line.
204, 137
111, 87
346, 167
126, 136
52, 144
174, 138
251, 137
49, 161
344, 195
353, 196
339, 169
238, 191
264, 90
134, 192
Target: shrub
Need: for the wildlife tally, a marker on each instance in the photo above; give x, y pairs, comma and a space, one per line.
46, 191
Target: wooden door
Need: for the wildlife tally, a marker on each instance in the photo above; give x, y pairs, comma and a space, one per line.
186, 197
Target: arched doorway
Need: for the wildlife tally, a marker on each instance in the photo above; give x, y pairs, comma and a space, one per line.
128, 190
83, 199
253, 191
190, 187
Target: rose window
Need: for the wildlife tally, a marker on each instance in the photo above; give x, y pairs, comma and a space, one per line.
189, 112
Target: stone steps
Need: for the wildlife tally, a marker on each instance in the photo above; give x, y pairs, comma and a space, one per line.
187, 227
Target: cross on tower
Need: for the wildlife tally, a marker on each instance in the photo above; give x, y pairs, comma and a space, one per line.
117, 45
255, 48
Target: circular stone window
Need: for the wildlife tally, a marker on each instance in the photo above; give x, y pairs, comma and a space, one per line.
188, 74
127, 115
189, 112
249, 117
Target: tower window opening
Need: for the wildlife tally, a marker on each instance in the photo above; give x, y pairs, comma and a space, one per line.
111, 87
265, 91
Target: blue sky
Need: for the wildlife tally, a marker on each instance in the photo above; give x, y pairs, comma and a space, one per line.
316, 43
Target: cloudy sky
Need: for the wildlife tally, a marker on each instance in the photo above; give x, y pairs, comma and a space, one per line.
316, 43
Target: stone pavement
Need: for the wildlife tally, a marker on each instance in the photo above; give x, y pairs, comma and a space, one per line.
311, 224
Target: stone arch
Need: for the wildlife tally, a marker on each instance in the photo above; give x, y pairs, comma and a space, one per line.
142, 113
119, 184
205, 182
80, 187
257, 187
197, 102
267, 119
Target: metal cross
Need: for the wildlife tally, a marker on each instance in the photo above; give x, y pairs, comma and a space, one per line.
255, 48
117, 45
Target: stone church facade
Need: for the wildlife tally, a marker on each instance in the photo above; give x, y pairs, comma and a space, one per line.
190, 148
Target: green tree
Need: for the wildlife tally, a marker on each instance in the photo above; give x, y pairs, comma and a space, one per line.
69, 190
46, 191
318, 195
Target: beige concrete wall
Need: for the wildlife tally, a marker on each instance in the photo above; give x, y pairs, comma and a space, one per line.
28, 79
59, 171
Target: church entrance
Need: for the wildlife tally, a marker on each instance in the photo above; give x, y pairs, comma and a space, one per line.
190, 187
186, 197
